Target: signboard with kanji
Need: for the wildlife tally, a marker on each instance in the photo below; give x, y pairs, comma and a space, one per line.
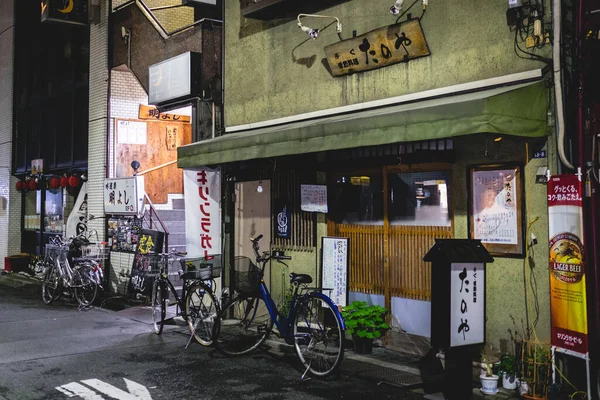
124, 195
335, 268
379, 48
151, 112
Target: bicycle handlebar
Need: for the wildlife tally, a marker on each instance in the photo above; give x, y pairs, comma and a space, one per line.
266, 256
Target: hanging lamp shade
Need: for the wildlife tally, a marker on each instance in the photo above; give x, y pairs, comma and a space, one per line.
74, 181
54, 183
64, 181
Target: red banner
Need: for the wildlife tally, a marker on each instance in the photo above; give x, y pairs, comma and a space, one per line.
568, 301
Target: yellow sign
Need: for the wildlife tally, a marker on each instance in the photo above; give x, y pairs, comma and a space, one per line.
379, 48
150, 112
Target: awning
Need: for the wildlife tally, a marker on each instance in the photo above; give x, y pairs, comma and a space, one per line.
519, 110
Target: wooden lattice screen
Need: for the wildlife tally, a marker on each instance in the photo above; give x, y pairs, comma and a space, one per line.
286, 187
410, 276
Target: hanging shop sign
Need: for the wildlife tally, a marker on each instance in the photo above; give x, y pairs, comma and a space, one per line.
68, 11
77, 220
124, 195
567, 267
151, 112
283, 220
313, 198
335, 262
379, 48
202, 191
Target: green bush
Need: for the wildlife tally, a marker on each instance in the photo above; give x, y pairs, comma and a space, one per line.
365, 321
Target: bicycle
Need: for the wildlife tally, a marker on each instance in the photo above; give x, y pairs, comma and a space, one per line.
197, 299
313, 325
79, 276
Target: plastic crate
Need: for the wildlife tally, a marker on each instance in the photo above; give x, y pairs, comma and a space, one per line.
202, 268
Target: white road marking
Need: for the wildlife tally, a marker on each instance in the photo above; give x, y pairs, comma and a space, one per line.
136, 391
75, 389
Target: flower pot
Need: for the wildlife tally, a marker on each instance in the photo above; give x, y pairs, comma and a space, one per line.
362, 345
489, 384
509, 381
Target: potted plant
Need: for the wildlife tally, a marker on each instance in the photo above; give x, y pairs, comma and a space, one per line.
508, 370
489, 380
365, 323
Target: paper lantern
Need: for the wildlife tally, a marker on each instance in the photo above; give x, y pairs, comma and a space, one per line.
54, 183
20, 186
64, 181
74, 181
32, 184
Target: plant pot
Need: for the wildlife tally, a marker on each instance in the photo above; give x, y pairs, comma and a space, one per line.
362, 345
489, 384
509, 381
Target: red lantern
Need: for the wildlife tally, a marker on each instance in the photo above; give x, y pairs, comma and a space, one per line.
54, 183
74, 181
32, 184
20, 186
64, 181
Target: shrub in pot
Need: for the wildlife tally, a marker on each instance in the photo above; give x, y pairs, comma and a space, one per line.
364, 322
508, 371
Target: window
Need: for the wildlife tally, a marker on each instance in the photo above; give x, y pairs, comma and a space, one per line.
356, 199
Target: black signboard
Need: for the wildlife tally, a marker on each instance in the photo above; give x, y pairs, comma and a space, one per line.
283, 220
69, 11
176, 79
147, 262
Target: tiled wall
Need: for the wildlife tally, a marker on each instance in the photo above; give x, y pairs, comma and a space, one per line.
10, 199
170, 18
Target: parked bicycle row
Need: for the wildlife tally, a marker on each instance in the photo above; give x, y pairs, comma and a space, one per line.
313, 323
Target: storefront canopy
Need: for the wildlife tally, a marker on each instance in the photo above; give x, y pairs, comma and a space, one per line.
514, 110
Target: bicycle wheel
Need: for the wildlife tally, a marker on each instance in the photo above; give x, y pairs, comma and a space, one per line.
201, 310
51, 284
159, 308
244, 325
318, 335
86, 287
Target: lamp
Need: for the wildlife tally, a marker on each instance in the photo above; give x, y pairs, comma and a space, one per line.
135, 164
259, 188
313, 33
397, 7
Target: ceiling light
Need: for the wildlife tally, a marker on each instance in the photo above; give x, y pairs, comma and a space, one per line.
259, 188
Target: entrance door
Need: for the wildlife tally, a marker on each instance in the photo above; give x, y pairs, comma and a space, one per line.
392, 217
252, 218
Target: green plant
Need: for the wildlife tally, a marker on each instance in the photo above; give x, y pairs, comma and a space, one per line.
508, 364
365, 321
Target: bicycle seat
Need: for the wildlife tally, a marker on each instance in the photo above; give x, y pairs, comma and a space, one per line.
300, 278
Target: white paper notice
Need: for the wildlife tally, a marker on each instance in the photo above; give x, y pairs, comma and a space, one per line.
313, 198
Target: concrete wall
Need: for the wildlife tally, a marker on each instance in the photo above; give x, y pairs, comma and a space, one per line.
273, 71
10, 199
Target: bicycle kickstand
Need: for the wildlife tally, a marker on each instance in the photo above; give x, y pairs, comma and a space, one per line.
191, 337
303, 377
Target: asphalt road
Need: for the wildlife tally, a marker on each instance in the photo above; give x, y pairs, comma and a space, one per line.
58, 352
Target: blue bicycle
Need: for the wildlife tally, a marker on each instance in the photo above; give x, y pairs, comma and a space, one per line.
313, 325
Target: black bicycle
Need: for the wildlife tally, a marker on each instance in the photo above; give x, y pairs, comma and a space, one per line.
197, 303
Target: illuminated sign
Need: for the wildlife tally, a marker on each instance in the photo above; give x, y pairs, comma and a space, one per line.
69, 11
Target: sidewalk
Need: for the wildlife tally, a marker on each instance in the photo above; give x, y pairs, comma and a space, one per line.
400, 359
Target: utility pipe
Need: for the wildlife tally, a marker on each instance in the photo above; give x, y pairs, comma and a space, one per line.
560, 117
157, 167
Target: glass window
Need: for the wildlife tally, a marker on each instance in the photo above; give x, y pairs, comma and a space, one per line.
356, 199
419, 198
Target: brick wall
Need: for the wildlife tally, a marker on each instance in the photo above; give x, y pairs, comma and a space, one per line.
10, 199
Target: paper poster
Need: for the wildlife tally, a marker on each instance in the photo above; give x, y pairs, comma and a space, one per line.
335, 269
313, 198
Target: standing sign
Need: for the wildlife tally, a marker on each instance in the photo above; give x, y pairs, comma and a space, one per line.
567, 278
467, 294
124, 195
202, 191
334, 264
146, 262
313, 198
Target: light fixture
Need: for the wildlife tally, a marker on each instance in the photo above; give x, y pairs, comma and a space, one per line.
259, 188
397, 7
498, 139
314, 33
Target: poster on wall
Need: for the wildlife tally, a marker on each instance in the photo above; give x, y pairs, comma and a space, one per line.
567, 267
123, 233
313, 198
202, 195
334, 262
467, 310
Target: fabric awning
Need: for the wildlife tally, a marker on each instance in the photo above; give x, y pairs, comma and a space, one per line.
514, 110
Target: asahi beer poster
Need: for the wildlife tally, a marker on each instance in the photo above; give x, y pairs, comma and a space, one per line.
567, 264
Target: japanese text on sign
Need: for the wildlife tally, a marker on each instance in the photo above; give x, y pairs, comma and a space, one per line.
313, 198
335, 268
466, 304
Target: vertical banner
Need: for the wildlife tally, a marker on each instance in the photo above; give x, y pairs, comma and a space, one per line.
283, 220
76, 223
467, 308
567, 268
202, 191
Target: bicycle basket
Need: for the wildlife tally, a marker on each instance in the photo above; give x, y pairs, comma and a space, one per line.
95, 251
203, 268
247, 277
56, 251
149, 264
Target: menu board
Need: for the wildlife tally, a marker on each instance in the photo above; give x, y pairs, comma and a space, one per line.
123, 233
146, 263
313, 198
334, 261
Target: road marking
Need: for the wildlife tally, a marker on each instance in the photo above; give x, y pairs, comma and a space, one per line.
75, 389
136, 390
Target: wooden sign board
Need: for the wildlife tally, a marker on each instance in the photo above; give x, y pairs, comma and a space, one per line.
151, 112
379, 48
